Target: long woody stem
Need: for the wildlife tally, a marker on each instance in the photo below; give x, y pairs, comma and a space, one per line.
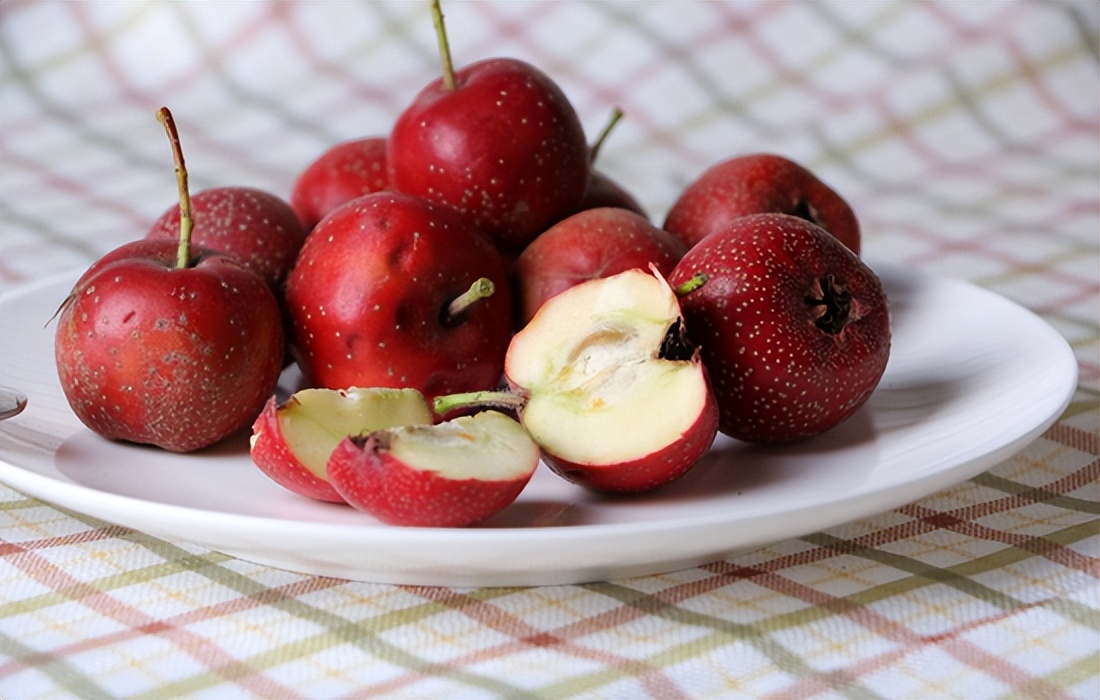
187, 223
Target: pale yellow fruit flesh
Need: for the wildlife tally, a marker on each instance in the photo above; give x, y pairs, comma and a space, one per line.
599, 392
489, 446
314, 421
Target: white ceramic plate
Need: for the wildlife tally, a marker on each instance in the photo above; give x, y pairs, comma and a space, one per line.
973, 378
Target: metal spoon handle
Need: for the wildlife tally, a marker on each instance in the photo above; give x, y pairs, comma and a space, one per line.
12, 403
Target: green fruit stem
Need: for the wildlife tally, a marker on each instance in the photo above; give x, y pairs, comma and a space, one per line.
187, 222
479, 399
594, 149
482, 288
449, 82
697, 280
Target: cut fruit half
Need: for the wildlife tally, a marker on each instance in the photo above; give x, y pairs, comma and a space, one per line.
451, 474
292, 442
615, 395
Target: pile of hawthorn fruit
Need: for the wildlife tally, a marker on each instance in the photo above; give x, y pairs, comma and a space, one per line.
468, 296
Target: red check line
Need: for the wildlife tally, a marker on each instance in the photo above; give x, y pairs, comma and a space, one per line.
1075, 438
810, 687
883, 626
13, 549
140, 624
525, 636
358, 89
49, 179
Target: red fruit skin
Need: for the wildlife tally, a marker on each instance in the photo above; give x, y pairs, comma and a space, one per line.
590, 244
759, 183
648, 472
272, 455
602, 191
177, 358
505, 147
372, 480
347, 170
366, 297
253, 226
777, 376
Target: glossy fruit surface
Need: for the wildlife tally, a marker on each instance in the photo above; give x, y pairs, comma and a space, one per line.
793, 327
588, 245
504, 147
369, 299
759, 183
340, 174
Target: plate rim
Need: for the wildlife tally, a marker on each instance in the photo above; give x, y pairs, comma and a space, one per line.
43, 486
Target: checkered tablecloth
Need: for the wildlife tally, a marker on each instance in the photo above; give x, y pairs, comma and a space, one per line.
965, 135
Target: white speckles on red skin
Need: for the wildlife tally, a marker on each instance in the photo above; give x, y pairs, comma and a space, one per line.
382, 289
779, 377
505, 120
155, 356
758, 183
255, 227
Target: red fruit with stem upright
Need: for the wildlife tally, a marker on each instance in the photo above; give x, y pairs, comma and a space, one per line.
391, 290
793, 327
177, 351
759, 183
498, 141
601, 190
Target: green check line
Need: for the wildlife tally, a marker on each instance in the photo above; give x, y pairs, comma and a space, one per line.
1037, 494
58, 670
725, 633
337, 630
272, 105
959, 576
1075, 673
20, 503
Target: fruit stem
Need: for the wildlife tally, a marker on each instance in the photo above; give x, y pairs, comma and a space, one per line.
697, 280
481, 288
187, 223
449, 82
478, 399
593, 151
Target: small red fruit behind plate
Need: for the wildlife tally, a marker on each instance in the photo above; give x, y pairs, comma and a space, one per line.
759, 183
345, 171
451, 474
588, 245
256, 227
793, 327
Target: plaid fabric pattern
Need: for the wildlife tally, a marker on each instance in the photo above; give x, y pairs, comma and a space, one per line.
965, 135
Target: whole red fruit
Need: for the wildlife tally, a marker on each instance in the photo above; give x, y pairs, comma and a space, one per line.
347, 170
590, 244
174, 357
759, 183
504, 146
368, 299
793, 327
256, 227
